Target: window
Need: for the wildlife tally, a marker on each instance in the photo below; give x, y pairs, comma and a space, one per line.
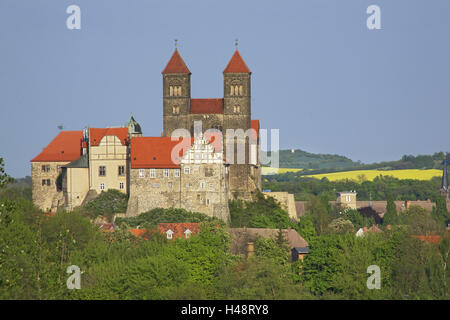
152, 173
166, 173
207, 202
236, 109
187, 185
187, 170
210, 185
102, 186
102, 171
177, 173
121, 185
202, 184
175, 110
141, 173
46, 182
169, 234
174, 91
45, 168
347, 198
241, 91
121, 170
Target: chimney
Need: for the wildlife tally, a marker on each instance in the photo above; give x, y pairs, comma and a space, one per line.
250, 249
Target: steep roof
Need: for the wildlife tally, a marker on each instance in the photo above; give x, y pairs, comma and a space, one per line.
255, 126
155, 152
81, 162
66, 146
199, 106
97, 134
179, 229
176, 64
236, 64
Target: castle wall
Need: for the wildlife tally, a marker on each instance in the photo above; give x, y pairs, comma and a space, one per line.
43, 195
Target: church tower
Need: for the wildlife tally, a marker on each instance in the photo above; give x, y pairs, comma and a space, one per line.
237, 115
176, 94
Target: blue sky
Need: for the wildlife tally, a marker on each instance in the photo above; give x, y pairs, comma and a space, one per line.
318, 74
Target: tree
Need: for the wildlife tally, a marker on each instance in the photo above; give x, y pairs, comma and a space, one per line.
4, 178
439, 212
306, 228
391, 216
340, 226
317, 211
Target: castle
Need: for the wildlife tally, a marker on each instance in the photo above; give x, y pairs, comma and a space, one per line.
208, 153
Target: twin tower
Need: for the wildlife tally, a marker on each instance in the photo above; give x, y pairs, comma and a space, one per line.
233, 111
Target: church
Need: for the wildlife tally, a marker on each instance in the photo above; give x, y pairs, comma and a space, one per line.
209, 152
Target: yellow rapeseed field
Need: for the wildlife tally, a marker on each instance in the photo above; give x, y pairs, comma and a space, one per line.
371, 174
365, 174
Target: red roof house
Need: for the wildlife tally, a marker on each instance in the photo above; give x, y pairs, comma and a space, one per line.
178, 230
66, 146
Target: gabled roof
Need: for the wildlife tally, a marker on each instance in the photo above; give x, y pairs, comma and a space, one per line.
176, 64
97, 134
66, 146
200, 106
236, 64
179, 229
156, 152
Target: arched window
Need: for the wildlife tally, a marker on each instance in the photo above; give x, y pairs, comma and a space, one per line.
236, 90
237, 109
170, 90
232, 90
241, 90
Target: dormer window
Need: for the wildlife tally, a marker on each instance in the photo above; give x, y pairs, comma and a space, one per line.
187, 233
169, 234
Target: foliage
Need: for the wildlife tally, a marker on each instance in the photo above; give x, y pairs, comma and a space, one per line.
4, 178
391, 215
378, 189
265, 212
306, 228
107, 203
340, 226
150, 219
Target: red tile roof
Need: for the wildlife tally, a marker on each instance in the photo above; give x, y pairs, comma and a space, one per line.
255, 126
429, 239
206, 106
236, 64
176, 64
142, 232
97, 134
178, 229
156, 152
65, 147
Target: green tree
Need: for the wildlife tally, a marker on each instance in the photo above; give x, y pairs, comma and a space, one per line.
306, 228
439, 212
4, 178
391, 216
340, 226
318, 212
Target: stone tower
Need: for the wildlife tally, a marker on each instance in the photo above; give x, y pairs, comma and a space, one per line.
176, 93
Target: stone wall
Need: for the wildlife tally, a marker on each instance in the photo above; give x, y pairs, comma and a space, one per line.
286, 200
43, 195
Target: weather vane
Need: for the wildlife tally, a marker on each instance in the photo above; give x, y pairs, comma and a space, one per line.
236, 43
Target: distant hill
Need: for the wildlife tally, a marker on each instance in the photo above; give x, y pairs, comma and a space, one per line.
321, 163
303, 159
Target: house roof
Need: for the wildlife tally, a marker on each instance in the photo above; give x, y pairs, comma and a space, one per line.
156, 152
241, 236
236, 64
66, 146
200, 106
176, 64
97, 134
255, 126
179, 229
